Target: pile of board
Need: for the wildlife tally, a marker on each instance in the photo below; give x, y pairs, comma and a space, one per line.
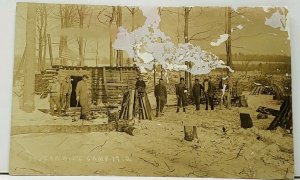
284, 118
274, 89
135, 105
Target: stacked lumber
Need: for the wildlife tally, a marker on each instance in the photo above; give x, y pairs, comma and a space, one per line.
284, 118
96, 74
274, 89
135, 105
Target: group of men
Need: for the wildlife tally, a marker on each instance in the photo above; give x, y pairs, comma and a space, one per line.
60, 94
207, 89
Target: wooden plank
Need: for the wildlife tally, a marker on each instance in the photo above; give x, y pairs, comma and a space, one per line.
144, 107
117, 84
148, 106
131, 101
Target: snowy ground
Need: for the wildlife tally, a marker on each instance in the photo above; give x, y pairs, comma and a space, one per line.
159, 149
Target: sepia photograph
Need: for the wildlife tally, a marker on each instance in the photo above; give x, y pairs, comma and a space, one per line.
152, 91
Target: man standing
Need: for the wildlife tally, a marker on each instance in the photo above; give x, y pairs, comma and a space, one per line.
197, 88
226, 92
66, 90
208, 89
160, 93
181, 93
82, 96
54, 89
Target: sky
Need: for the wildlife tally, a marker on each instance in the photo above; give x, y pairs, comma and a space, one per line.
250, 35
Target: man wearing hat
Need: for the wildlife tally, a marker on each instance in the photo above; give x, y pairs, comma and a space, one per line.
181, 93
66, 90
54, 89
197, 88
82, 96
161, 95
209, 93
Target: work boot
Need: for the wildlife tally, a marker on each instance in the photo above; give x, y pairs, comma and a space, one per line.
177, 110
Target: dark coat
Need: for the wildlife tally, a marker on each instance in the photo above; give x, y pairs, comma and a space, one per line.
208, 88
160, 92
180, 88
197, 89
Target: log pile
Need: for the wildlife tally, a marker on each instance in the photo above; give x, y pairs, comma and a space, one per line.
135, 105
284, 118
125, 126
42, 80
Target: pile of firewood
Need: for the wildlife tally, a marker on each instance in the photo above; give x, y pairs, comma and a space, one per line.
135, 105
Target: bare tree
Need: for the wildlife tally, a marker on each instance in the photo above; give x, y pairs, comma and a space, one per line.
119, 23
111, 18
42, 33
81, 14
67, 19
29, 73
132, 11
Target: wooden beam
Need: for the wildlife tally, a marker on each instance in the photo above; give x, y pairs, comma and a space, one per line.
104, 82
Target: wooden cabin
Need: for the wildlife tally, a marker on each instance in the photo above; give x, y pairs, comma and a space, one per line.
107, 84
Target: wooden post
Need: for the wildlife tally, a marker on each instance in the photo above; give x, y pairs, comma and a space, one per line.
154, 76
228, 31
131, 102
104, 83
190, 133
50, 49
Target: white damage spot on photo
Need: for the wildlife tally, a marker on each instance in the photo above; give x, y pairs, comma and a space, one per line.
240, 27
279, 19
219, 41
148, 46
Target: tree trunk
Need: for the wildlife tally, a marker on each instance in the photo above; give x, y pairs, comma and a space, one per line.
132, 19
30, 61
228, 42
50, 49
119, 52
111, 35
40, 37
188, 76
80, 41
44, 37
